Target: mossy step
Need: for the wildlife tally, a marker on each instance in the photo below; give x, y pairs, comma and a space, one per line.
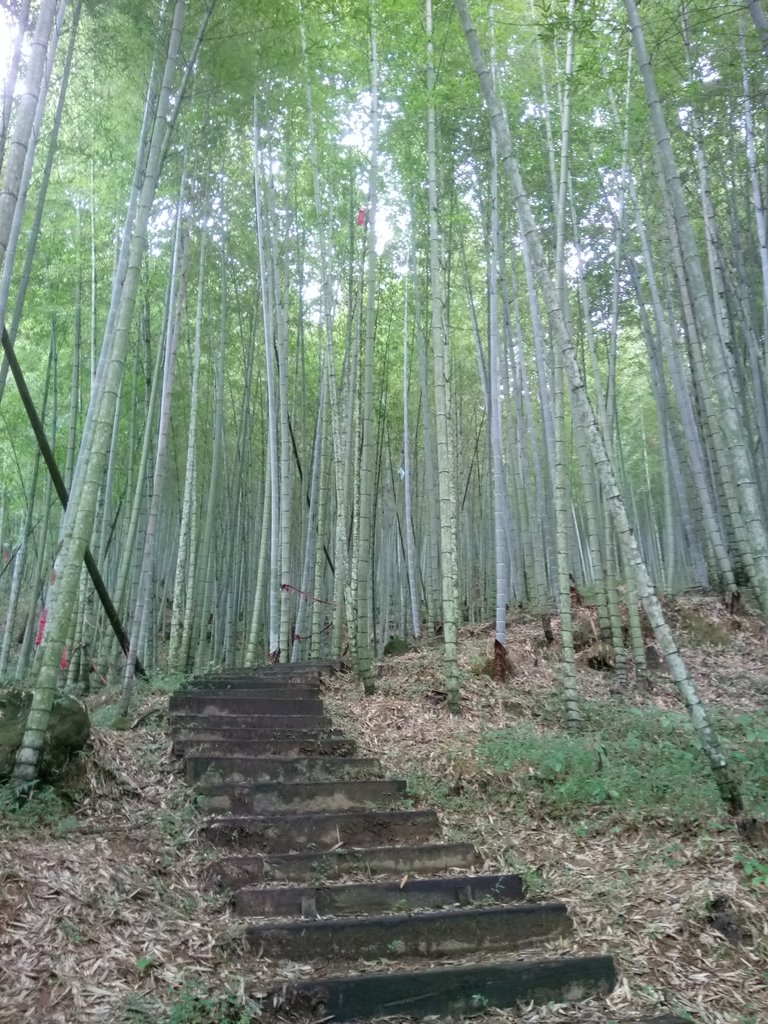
462, 989
281, 833
315, 868
431, 934
666, 1018
229, 704
288, 725
326, 666
300, 796
301, 671
208, 769
377, 897
241, 687
262, 747
256, 683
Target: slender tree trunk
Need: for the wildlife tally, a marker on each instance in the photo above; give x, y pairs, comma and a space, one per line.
274, 481
23, 138
494, 413
440, 354
78, 524
183, 580
11, 80
33, 234
731, 425
206, 563
176, 301
760, 20
365, 582
410, 554
702, 725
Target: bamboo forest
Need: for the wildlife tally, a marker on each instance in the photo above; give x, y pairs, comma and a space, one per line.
411, 356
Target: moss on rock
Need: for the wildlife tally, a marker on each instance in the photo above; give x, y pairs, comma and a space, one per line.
68, 731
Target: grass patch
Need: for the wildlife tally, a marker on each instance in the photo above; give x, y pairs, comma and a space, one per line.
163, 682
191, 1003
45, 810
633, 764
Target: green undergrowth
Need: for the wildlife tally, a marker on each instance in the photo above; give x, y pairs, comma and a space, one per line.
629, 766
191, 1003
634, 764
45, 810
159, 684
164, 682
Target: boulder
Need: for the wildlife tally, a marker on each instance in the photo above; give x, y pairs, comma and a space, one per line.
68, 731
396, 645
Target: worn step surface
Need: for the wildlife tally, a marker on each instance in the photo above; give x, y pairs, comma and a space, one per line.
290, 794
211, 769
429, 934
424, 859
300, 692
264, 747
281, 833
260, 740
376, 897
227, 705
287, 797
255, 726
270, 675
244, 687
461, 989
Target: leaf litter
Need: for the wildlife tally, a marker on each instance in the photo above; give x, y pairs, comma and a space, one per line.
641, 892
111, 910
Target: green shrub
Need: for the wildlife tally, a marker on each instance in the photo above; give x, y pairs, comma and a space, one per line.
165, 682
636, 763
191, 1003
43, 808
746, 743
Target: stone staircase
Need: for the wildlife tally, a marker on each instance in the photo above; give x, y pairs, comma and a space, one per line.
319, 855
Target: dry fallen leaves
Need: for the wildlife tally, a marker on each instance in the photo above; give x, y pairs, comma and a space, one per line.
115, 908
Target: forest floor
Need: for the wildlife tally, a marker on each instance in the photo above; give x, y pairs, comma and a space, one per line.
103, 917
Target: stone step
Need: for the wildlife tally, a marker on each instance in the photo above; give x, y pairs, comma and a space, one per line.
207, 769
300, 796
295, 684
377, 897
334, 747
397, 936
318, 868
227, 704
281, 833
665, 1018
462, 989
297, 691
307, 670
255, 738
229, 727
325, 666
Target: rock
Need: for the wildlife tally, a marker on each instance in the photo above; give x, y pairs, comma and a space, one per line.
727, 920
68, 731
754, 830
397, 646
601, 657
654, 659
